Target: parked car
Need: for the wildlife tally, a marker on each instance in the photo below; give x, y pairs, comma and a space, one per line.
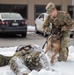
39, 22
13, 23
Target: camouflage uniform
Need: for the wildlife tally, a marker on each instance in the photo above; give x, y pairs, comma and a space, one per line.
4, 60
24, 61
64, 21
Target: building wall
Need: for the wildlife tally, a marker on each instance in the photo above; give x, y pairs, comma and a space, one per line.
32, 3
14, 1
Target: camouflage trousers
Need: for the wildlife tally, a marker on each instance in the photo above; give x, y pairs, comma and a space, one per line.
4, 60
63, 54
18, 66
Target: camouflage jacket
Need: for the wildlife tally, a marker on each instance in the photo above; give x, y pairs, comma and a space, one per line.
30, 57
34, 57
62, 19
4, 60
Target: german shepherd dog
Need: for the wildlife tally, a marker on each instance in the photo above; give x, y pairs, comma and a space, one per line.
53, 42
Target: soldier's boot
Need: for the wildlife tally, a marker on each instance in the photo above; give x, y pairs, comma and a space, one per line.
63, 55
62, 59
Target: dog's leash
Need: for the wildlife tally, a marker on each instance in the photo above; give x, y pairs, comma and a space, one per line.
44, 44
46, 41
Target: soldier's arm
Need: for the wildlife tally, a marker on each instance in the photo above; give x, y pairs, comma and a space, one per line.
46, 24
68, 21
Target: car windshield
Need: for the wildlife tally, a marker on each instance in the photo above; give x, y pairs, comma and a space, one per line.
11, 16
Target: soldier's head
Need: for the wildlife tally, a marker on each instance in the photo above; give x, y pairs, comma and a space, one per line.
51, 9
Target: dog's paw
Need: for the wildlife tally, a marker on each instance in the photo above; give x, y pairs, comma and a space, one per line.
51, 61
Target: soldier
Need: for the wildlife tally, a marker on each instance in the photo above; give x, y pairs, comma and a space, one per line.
4, 60
28, 58
59, 19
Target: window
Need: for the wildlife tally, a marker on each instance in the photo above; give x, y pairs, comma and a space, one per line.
41, 16
58, 7
39, 9
22, 9
71, 11
11, 16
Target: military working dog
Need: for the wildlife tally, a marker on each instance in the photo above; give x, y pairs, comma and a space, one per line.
53, 42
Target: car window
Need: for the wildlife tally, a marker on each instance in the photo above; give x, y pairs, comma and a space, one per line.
11, 16
41, 16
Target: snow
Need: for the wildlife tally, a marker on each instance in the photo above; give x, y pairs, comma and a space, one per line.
8, 51
31, 28
58, 68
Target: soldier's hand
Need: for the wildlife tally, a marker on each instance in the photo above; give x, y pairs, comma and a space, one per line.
64, 28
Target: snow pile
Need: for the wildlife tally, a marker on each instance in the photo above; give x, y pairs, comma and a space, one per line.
8, 51
59, 68
31, 28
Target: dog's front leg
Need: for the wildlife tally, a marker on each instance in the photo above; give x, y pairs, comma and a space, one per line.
48, 46
56, 48
52, 58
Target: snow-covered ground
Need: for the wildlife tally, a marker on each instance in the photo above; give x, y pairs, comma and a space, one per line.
58, 68
31, 28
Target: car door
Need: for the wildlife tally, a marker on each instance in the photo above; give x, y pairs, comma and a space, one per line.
39, 22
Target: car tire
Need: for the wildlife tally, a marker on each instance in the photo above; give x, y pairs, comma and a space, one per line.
24, 34
71, 35
36, 29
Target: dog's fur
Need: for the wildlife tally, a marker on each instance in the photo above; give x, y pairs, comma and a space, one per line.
53, 43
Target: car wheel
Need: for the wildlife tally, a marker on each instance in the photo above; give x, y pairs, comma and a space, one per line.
24, 34
71, 35
36, 29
